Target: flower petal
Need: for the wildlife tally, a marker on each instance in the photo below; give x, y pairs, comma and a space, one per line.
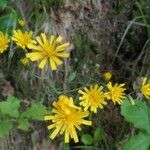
34, 56
43, 63
52, 64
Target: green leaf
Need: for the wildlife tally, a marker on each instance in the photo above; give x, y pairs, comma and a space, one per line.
3, 3
72, 76
8, 22
36, 111
5, 127
137, 114
10, 106
87, 139
140, 141
23, 124
99, 134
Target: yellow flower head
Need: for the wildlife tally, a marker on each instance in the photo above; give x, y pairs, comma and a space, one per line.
21, 22
22, 39
48, 50
115, 93
4, 41
93, 98
107, 76
145, 88
66, 119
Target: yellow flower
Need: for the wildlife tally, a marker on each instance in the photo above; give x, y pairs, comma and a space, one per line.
4, 41
107, 76
21, 22
22, 39
93, 98
66, 119
25, 60
115, 93
48, 50
145, 88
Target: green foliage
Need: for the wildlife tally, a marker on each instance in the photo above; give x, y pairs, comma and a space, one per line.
139, 115
87, 139
72, 76
10, 112
5, 127
10, 106
23, 123
141, 141
8, 22
9, 18
3, 3
36, 111
98, 134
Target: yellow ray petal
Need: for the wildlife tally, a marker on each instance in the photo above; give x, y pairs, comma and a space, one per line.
34, 56
81, 92
43, 63
57, 61
43, 35
48, 117
59, 39
52, 39
25, 60
67, 136
74, 134
51, 126
53, 64
55, 132
63, 129
64, 55
62, 47
86, 122
39, 40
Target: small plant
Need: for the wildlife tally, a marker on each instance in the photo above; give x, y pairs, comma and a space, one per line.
11, 115
88, 139
138, 114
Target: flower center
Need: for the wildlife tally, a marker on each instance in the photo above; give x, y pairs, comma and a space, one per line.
48, 50
93, 97
25, 40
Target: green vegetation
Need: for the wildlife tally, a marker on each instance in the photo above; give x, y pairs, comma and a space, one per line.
104, 36
11, 116
138, 115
